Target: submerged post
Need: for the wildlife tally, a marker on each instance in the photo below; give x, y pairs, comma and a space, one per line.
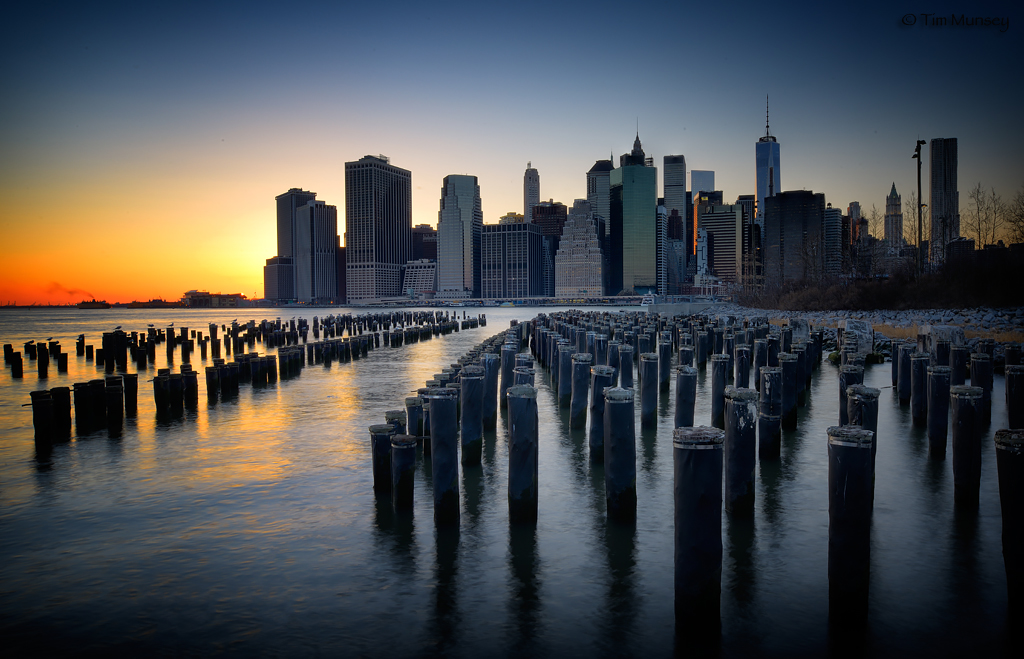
903, 379
697, 458
565, 352
600, 379
1014, 396
403, 471
849, 375
788, 364
489, 405
648, 389
380, 455
626, 366
981, 376
619, 453
508, 364
740, 450
965, 402
919, 388
522, 454
1010, 466
472, 399
444, 450
850, 481
719, 363
959, 357
581, 362
686, 395
938, 409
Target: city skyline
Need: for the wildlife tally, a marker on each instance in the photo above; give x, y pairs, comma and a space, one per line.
196, 125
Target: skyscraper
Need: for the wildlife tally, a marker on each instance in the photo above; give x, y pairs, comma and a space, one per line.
549, 216
510, 256
579, 261
378, 227
674, 184
723, 225
287, 203
316, 244
832, 230
766, 153
531, 191
282, 271
944, 198
701, 181
459, 228
597, 189
424, 242
633, 235
893, 221
793, 240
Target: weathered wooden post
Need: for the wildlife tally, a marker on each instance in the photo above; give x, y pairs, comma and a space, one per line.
444, 450
719, 363
600, 379
619, 453
740, 450
697, 458
965, 401
938, 409
686, 395
472, 394
648, 389
850, 482
522, 454
1010, 467
919, 388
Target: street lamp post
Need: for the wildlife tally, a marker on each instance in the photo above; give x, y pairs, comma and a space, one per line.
920, 257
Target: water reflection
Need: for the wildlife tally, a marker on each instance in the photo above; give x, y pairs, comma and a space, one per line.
445, 621
622, 602
524, 589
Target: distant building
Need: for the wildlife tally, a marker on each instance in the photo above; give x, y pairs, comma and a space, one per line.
511, 255
420, 278
579, 261
793, 237
674, 184
944, 198
341, 267
203, 300
378, 227
598, 187
550, 216
459, 229
531, 191
634, 225
853, 211
723, 226
832, 229
960, 248
701, 181
511, 217
316, 244
279, 279
283, 285
893, 221
424, 242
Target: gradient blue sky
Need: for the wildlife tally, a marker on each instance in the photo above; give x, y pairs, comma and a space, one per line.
127, 115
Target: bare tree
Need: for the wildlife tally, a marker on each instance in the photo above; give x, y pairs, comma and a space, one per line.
995, 219
973, 220
910, 220
1015, 217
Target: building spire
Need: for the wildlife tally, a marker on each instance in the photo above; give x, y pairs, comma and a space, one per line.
767, 131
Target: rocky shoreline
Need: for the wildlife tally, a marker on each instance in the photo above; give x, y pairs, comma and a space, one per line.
1005, 325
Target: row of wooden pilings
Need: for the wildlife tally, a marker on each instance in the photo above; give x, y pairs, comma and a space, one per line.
447, 417
103, 403
931, 377
589, 354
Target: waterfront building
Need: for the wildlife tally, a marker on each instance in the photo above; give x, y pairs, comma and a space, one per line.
598, 187
420, 280
279, 278
378, 227
893, 221
316, 245
459, 228
792, 244
283, 285
424, 242
832, 232
511, 260
944, 198
769, 181
633, 231
531, 191
341, 268
579, 262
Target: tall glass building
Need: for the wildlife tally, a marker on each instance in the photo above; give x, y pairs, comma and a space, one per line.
378, 227
459, 229
633, 191
769, 183
944, 198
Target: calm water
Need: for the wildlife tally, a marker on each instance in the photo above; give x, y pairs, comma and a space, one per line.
250, 528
